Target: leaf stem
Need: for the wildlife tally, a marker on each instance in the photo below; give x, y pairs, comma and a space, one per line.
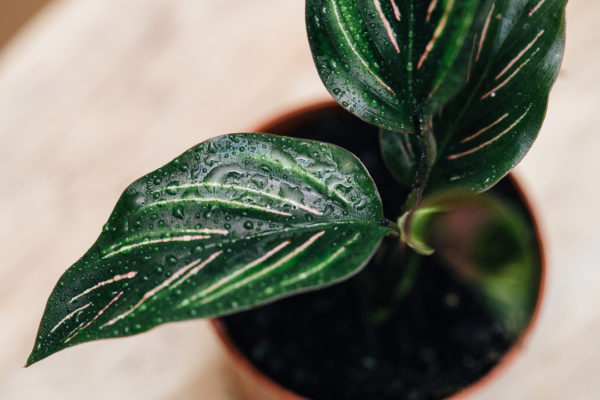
425, 133
398, 292
392, 226
425, 163
407, 281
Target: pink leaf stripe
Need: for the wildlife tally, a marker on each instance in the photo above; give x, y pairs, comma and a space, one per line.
430, 9
537, 7
114, 250
240, 271
195, 270
231, 203
514, 60
116, 278
492, 140
323, 264
396, 10
163, 285
471, 58
437, 33
492, 92
80, 328
352, 47
69, 316
387, 25
484, 31
473, 136
254, 191
264, 271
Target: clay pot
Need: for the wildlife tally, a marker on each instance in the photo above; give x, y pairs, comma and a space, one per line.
257, 386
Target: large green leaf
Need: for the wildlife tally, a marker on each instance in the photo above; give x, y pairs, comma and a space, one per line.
474, 74
234, 222
386, 60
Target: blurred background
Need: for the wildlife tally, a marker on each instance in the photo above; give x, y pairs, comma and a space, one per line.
95, 93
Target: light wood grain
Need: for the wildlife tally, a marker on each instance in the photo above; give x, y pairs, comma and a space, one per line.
95, 93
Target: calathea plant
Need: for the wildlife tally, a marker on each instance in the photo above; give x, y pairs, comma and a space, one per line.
459, 91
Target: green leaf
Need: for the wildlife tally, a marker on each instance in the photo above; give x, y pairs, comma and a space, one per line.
474, 74
237, 221
490, 125
386, 60
487, 243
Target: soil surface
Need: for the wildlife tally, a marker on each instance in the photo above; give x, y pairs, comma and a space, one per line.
371, 337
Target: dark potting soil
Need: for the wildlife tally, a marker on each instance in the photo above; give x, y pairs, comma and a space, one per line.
359, 339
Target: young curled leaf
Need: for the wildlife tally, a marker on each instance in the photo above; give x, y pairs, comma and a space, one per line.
487, 243
235, 222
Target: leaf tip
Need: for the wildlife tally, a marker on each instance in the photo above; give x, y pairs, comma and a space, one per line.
32, 359
37, 354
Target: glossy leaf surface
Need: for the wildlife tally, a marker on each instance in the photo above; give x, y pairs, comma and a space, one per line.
235, 222
474, 74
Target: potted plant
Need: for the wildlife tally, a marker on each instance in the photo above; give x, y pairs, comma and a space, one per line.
457, 91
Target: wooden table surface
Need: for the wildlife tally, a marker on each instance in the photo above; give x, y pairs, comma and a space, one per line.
95, 93
15, 14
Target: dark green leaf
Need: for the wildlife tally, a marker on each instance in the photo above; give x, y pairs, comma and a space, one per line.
386, 60
491, 124
474, 74
401, 153
234, 222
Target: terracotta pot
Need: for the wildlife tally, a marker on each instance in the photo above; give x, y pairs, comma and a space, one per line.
255, 385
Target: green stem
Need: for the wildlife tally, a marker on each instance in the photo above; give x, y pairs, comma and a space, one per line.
425, 164
425, 134
407, 282
380, 315
393, 227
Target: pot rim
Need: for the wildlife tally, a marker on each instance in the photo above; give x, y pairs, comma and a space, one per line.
282, 122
